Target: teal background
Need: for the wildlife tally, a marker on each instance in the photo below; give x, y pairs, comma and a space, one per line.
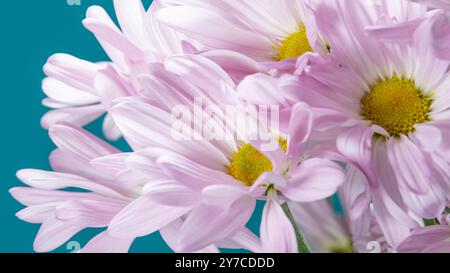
31, 32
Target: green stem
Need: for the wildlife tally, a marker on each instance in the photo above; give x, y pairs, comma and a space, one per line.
430, 222
301, 243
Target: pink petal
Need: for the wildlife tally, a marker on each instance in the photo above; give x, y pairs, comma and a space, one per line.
313, 180
110, 129
110, 86
244, 239
354, 193
131, 16
54, 181
67, 162
74, 72
277, 232
209, 224
394, 221
300, 128
113, 163
107, 33
105, 243
428, 138
203, 73
53, 233
78, 141
36, 214
170, 235
64, 93
216, 31
80, 116
193, 175
145, 125
236, 65
441, 37
424, 238
143, 217
223, 195
441, 247
171, 193
410, 165
99, 16
355, 144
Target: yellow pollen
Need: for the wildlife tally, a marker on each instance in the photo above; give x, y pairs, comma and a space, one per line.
397, 105
283, 143
247, 164
294, 45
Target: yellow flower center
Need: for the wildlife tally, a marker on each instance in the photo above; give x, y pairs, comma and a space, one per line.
397, 105
283, 143
248, 164
294, 45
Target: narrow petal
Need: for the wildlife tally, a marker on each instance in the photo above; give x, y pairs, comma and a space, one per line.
277, 232
170, 235
114, 163
54, 181
300, 128
244, 239
410, 165
53, 233
210, 224
216, 32
423, 238
171, 193
80, 142
313, 180
356, 145
354, 193
131, 16
105, 243
394, 221
80, 116
143, 217
222, 195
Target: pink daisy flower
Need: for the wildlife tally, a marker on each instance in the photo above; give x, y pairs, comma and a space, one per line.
218, 181
105, 186
275, 33
62, 213
80, 91
387, 105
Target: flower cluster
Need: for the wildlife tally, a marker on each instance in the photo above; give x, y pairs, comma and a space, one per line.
358, 98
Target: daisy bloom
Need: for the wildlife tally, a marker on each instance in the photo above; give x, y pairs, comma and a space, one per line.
264, 30
81, 91
63, 213
74, 87
104, 187
387, 106
219, 181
